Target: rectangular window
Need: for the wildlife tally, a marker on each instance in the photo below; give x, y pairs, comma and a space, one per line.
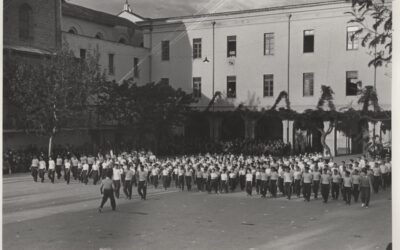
197, 48
268, 43
197, 87
268, 85
165, 81
165, 50
308, 42
351, 83
352, 39
308, 84
231, 46
111, 68
82, 53
135, 67
231, 87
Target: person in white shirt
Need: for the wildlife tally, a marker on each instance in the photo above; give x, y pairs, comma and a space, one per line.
117, 172
347, 185
385, 173
42, 168
249, 182
52, 167
297, 181
307, 180
67, 170
165, 178
224, 181
35, 168
85, 173
336, 178
288, 180
128, 182
325, 184
95, 172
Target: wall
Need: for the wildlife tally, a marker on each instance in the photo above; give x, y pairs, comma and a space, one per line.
329, 62
123, 56
46, 21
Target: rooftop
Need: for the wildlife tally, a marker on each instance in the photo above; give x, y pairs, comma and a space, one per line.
94, 16
272, 5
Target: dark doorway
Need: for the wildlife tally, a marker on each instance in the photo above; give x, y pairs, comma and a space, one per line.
232, 127
269, 128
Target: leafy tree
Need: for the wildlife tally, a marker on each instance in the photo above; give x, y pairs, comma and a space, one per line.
153, 109
378, 34
49, 93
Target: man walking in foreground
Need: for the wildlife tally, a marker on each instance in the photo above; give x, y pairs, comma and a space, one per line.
107, 190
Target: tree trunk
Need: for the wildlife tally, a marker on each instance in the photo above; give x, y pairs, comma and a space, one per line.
324, 134
51, 141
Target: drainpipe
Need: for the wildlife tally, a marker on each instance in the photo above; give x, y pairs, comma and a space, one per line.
288, 73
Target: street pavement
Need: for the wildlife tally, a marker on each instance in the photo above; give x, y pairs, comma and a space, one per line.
61, 216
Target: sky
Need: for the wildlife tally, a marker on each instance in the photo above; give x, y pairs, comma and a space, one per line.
169, 8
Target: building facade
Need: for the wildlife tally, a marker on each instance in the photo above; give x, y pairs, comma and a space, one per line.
248, 57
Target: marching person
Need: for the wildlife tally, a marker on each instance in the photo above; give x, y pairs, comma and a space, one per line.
142, 186
335, 184
42, 169
249, 180
59, 163
242, 178
355, 179
297, 181
165, 178
95, 172
377, 177
288, 180
181, 178
325, 184
366, 188
224, 181
199, 179
67, 170
316, 181
107, 190
35, 168
188, 178
74, 167
214, 181
273, 181
347, 185
85, 173
128, 182
264, 183
258, 180
52, 167
307, 180
117, 172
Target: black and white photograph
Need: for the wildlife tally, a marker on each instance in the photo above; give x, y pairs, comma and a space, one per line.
200, 124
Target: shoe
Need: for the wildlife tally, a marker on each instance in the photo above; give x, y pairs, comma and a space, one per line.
363, 205
366, 206
100, 209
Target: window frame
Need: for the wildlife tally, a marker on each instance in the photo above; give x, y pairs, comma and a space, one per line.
111, 64
353, 41
304, 41
229, 39
25, 22
196, 91
197, 48
271, 44
230, 80
306, 76
268, 84
348, 72
165, 50
136, 67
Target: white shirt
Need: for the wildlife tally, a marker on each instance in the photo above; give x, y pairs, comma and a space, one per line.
52, 164
249, 177
85, 167
117, 174
224, 177
42, 165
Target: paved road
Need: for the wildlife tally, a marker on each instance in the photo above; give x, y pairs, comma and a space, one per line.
60, 216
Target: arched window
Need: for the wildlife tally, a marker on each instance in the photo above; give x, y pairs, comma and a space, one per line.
99, 35
25, 22
122, 40
72, 30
